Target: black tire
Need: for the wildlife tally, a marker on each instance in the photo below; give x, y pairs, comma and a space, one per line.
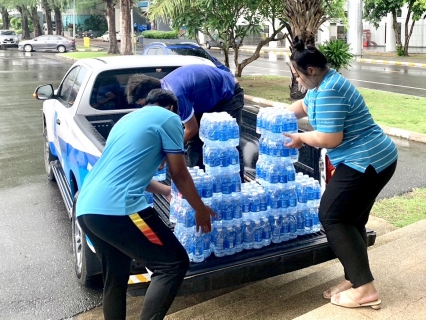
208, 45
28, 48
62, 49
48, 157
86, 263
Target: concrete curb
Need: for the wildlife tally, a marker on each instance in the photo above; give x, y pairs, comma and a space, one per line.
395, 63
395, 132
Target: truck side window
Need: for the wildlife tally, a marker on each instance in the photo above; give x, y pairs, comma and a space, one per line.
71, 85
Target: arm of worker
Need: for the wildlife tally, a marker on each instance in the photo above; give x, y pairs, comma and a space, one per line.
299, 109
159, 188
191, 129
183, 181
314, 139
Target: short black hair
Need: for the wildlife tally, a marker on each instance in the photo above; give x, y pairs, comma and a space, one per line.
163, 98
139, 85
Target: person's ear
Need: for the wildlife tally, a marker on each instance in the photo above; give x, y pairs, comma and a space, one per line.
311, 71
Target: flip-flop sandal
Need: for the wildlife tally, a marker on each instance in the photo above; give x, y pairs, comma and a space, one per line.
345, 301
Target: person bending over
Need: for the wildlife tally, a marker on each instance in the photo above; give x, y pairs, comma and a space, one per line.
199, 89
113, 211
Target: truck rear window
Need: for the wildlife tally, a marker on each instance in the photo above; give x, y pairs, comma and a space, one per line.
108, 92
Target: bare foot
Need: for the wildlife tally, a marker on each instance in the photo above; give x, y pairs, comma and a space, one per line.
342, 286
364, 294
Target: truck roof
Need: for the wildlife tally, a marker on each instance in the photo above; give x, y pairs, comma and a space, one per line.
138, 61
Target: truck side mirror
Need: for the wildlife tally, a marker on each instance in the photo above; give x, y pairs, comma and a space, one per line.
43, 92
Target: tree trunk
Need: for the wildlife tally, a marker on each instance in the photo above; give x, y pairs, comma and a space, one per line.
36, 22
126, 28
48, 14
5, 18
24, 17
406, 32
110, 15
396, 29
58, 20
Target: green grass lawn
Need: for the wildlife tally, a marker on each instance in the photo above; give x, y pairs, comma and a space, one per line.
402, 210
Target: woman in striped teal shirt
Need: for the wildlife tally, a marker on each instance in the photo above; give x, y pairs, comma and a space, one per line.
364, 157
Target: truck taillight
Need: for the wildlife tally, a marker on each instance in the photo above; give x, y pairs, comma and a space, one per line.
329, 169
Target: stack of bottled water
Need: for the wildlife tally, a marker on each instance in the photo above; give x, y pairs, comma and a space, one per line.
196, 244
278, 207
293, 204
220, 134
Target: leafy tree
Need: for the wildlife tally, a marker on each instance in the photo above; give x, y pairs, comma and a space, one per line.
96, 22
375, 10
5, 17
234, 20
231, 20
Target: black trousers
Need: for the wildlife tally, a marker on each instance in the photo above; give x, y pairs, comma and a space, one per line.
344, 210
234, 107
145, 237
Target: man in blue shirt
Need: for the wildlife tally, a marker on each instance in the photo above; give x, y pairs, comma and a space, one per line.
114, 213
199, 89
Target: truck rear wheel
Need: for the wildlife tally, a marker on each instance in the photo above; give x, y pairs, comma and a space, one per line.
86, 263
48, 157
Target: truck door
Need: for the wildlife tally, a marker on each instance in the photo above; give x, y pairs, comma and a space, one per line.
64, 113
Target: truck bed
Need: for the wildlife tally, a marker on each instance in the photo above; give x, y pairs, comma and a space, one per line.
256, 264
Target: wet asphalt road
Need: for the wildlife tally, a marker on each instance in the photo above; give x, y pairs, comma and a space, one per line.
36, 265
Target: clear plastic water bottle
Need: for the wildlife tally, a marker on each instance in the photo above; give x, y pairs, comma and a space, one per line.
238, 236
292, 225
285, 228
254, 205
207, 244
300, 218
266, 234
198, 254
219, 242
187, 241
230, 241
236, 200
227, 207
257, 235
263, 204
276, 230
248, 235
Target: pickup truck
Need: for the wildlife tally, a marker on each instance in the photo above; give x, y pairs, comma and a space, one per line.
77, 118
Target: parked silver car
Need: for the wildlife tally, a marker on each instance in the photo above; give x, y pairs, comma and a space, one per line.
47, 42
8, 38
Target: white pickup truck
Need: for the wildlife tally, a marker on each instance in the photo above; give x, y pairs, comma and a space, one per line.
77, 118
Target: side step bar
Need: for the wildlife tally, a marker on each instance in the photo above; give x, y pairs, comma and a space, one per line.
63, 185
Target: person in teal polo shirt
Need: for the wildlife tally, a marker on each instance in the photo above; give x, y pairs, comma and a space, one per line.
364, 158
114, 213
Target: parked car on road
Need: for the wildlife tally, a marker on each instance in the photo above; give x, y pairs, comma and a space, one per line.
47, 42
183, 49
105, 36
8, 38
